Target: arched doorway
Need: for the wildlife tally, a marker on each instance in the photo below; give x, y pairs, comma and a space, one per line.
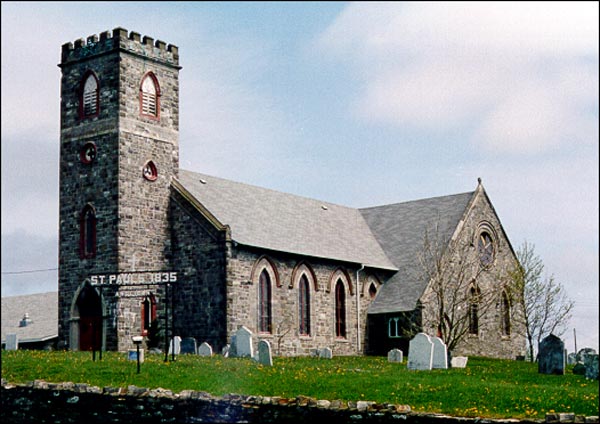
89, 309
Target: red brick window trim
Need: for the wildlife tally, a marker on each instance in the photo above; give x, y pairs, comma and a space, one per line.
264, 303
148, 313
304, 306
149, 171
150, 97
340, 310
89, 96
87, 232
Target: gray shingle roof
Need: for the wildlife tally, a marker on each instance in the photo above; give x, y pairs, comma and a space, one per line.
400, 229
42, 309
284, 222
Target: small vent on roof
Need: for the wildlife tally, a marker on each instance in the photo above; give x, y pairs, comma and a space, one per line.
202, 181
324, 207
25, 321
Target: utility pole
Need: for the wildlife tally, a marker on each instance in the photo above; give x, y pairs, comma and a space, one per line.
575, 340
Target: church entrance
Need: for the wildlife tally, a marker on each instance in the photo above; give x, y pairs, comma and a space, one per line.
89, 306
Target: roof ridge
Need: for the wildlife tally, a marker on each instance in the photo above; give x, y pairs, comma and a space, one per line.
266, 189
418, 200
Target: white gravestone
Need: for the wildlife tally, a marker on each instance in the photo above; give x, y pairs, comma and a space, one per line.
420, 352
440, 354
12, 342
175, 345
326, 353
395, 355
243, 343
459, 361
205, 349
264, 353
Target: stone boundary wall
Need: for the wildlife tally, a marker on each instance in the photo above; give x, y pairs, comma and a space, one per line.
42, 402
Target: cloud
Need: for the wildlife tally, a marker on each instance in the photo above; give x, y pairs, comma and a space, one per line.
522, 76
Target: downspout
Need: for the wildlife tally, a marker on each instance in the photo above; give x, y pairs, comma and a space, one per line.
362, 266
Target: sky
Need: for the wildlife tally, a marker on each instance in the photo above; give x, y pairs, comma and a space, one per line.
359, 104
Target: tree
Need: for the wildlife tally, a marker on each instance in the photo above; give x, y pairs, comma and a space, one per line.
546, 307
455, 299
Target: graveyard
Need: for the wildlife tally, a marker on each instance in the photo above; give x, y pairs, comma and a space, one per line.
479, 387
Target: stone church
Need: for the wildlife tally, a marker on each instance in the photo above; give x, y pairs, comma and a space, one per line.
149, 249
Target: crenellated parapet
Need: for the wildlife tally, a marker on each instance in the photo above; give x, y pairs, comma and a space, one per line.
120, 39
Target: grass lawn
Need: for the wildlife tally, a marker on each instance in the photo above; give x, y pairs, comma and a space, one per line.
489, 388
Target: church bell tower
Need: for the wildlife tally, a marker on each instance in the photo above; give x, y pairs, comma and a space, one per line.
119, 150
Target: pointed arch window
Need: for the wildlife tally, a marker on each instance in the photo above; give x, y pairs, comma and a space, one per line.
340, 309
304, 306
505, 314
372, 291
264, 303
87, 232
90, 98
148, 313
474, 311
150, 96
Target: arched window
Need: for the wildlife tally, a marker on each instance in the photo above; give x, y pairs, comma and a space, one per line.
150, 96
505, 314
474, 311
89, 100
393, 328
340, 310
148, 313
304, 305
87, 232
264, 303
372, 291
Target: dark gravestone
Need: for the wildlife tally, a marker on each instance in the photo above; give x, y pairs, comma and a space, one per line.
188, 345
551, 356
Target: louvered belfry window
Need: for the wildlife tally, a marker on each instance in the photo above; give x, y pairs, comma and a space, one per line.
149, 100
89, 97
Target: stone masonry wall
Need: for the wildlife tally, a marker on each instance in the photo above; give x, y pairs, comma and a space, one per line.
199, 255
132, 212
489, 341
40, 402
244, 268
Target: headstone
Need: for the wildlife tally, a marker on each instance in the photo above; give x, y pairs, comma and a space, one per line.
188, 345
579, 369
420, 352
326, 353
571, 358
243, 343
583, 353
12, 342
205, 349
395, 355
440, 354
175, 345
264, 353
225, 351
232, 352
551, 356
459, 361
591, 366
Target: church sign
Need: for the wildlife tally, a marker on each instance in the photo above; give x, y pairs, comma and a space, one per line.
133, 278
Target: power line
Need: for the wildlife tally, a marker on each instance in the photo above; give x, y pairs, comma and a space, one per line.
30, 271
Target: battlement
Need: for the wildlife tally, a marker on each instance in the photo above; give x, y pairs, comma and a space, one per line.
120, 39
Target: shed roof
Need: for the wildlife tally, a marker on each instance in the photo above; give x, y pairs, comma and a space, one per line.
42, 309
